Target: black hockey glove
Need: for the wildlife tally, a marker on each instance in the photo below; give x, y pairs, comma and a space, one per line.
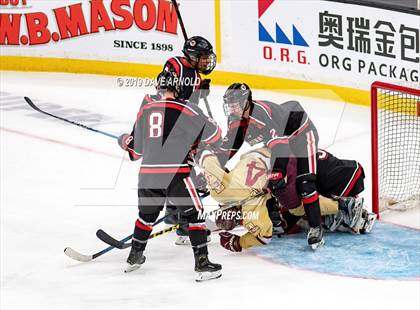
276, 183
205, 88
124, 140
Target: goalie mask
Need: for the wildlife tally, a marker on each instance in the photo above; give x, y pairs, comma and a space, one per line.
199, 53
236, 100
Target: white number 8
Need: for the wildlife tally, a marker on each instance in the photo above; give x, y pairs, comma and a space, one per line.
155, 122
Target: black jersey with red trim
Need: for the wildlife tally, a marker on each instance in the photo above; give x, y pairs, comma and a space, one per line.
273, 124
338, 177
335, 178
165, 134
189, 77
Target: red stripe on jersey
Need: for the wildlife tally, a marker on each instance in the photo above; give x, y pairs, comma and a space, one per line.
164, 170
169, 105
275, 142
259, 125
236, 124
311, 199
297, 132
266, 107
353, 181
134, 154
216, 138
185, 63
143, 227
193, 194
148, 99
175, 65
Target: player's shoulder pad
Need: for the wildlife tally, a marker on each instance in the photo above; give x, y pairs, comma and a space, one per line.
193, 106
292, 105
264, 107
149, 99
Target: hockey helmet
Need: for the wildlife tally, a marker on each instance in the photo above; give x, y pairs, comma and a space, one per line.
168, 81
236, 100
200, 53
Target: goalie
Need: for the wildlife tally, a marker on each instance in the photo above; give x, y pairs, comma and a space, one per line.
247, 182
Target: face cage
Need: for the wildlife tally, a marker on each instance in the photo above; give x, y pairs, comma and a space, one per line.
228, 109
210, 66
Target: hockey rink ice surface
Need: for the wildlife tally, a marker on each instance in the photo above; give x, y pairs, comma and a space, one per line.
60, 183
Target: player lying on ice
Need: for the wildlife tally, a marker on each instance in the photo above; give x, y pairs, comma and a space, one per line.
338, 182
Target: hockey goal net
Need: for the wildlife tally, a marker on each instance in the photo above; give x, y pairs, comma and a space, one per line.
395, 113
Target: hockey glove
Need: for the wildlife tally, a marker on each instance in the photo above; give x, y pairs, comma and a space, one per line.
276, 183
124, 140
230, 242
205, 88
228, 219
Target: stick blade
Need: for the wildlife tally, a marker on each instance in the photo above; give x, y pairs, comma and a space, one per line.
29, 101
77, 256
104, 237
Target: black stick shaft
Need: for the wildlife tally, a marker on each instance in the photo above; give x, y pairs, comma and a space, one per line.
33, 106
181, 23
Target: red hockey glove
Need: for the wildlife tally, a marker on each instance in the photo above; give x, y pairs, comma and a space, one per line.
124, 140
276, 183
230, 242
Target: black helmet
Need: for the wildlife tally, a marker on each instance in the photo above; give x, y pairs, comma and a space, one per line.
167, 80
236, 99
195, 48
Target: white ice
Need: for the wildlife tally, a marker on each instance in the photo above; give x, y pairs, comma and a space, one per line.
60, 183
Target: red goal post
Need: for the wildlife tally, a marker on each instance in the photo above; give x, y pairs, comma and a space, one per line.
395, 138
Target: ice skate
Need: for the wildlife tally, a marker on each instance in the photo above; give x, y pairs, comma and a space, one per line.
184, 239
352, 208
315, 237
135, 260
205, 269
368, 220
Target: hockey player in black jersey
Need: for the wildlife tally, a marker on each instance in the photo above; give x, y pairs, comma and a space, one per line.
285, 129
164, 135
198, 59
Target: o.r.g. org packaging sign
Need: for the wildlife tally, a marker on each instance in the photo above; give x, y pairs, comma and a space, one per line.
325, 42
142, 31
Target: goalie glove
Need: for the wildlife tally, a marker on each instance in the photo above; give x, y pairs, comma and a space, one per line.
230, 242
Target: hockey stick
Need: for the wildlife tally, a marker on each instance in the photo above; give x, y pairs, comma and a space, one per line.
184, 32
181, 23
73, 254
33, 106
105, 237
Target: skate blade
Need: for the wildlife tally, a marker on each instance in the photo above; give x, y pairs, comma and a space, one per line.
317, 245
131, 268
205, 276
371, 221
183, 241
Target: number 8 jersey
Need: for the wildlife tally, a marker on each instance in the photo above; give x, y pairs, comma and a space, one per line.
165, 133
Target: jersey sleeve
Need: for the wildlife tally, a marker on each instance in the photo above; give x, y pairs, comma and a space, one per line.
275, 139
135, 146
232, 142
